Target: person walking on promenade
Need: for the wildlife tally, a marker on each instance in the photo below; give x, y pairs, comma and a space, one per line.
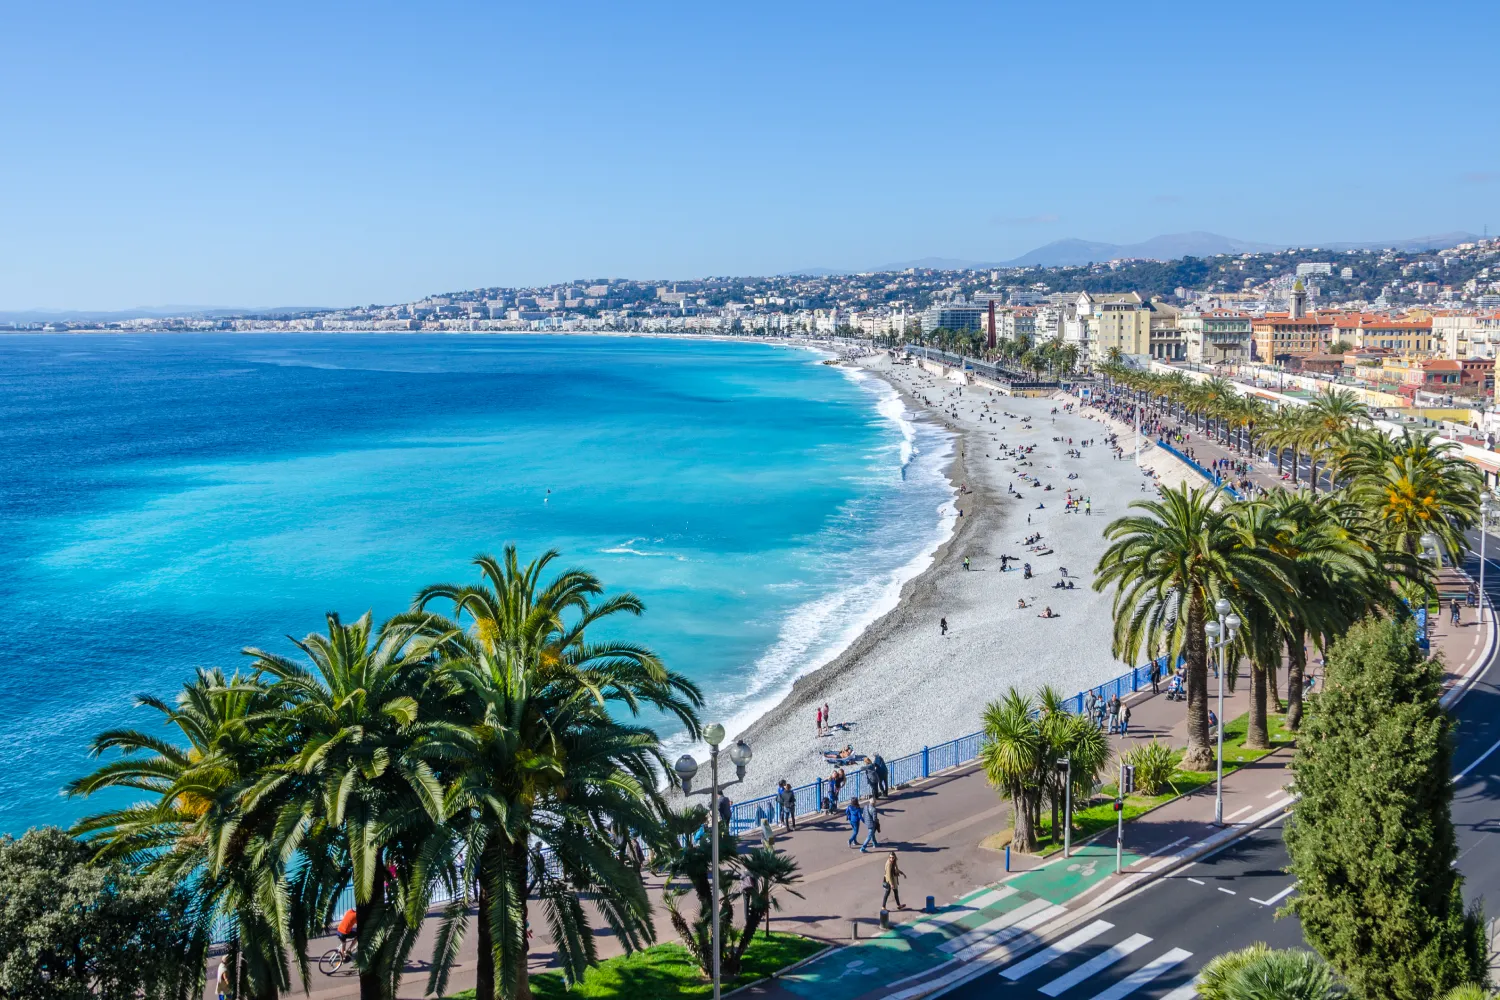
882, 777
1124, 718
892, 882
1091, 705
1112, 712
788, 805
726, 810
1456, 617
855, 815
1156, 677
872, 826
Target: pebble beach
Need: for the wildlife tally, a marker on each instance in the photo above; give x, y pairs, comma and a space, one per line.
904, 682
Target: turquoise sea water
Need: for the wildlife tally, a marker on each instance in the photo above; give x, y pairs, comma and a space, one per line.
169, 499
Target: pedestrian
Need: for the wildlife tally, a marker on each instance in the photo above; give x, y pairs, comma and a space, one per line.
726, 809
855, 815
1156, 677
943, 625
827, 717
767, 835
892, 882
882, 776
966, 563
872, 826
788, 806
1456, 616
1124, 718
1090, 704
222, 979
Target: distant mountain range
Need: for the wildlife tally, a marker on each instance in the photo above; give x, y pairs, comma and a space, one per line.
1171, 246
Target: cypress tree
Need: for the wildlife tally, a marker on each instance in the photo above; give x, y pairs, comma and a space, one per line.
1371, 841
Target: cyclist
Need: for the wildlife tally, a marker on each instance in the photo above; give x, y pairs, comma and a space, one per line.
347, 926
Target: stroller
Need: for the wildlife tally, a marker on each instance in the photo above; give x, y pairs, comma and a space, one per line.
1175, 689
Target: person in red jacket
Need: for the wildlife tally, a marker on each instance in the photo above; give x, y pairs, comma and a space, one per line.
348, 924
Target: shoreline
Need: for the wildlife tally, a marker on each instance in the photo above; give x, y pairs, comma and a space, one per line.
902, 682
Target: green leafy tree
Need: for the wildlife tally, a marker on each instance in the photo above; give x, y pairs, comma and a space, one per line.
1371, 844
71, 928
1169, 565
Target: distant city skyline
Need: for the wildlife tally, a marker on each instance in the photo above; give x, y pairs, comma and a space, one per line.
340, 154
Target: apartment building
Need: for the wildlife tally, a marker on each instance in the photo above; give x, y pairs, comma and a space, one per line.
1466, 335
1215, 336
1279, 336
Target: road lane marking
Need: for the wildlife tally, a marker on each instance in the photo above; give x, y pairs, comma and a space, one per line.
1276, 898
1230, 891
1238, 812
1011, 933
1067, 944
989, 927
1479, 760
1197, 881
1097, 964
1140, 977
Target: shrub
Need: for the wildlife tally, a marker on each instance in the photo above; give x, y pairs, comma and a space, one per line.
1153, 765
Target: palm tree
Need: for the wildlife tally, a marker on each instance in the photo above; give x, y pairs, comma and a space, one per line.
1414, 486
358, 793
1023, 740
1328, 418
1262, 973
546, 764
192, 828
1169, 565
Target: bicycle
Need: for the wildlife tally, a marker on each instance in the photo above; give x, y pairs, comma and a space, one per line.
335, 959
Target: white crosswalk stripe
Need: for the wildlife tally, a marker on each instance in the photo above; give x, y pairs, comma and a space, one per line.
989, 927
991, 941
1188, 992
1095, 965
1140, 977
1046, 955
940, 920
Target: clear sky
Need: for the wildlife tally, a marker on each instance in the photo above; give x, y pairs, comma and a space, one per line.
256, 154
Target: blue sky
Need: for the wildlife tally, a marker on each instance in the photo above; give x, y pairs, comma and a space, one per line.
321, 153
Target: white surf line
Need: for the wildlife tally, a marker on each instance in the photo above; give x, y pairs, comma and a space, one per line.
1140, 977
1097, 964
990, 942
967, 939
1185, 992
1276, 898
1238, 812
1046, 955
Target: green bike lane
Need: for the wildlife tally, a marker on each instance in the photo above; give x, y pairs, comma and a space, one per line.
966, 929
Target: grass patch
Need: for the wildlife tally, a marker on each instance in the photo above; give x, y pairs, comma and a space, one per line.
666, 971
1099, 814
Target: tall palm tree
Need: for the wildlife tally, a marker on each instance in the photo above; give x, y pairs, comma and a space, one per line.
358, 792
546, 764
1415, 486
1329, 417
192, 827
1170, 563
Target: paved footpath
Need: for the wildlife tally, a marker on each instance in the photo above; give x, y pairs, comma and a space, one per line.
1016, 914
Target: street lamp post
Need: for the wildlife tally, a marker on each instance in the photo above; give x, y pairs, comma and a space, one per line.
1065, 765
1221, 633
686, 768
1484, 519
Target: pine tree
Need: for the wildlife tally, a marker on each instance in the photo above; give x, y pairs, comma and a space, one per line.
1371, 842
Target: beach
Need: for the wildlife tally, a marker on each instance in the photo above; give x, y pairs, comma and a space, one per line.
904, 683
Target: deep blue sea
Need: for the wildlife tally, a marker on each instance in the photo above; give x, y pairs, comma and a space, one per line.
169, 499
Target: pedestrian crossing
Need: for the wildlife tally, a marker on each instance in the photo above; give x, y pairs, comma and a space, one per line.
1100, 962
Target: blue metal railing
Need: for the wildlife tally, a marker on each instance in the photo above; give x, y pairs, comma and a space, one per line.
923, 763
1212, 477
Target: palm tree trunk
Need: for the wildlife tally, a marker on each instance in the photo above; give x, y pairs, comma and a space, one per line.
371, 986
1295, 456
519, 862
1257, 733
1272, 691
1296, 654
484, 966
1200, 753
1024, 837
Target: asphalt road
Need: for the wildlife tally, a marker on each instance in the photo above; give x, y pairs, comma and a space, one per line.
1151, 944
